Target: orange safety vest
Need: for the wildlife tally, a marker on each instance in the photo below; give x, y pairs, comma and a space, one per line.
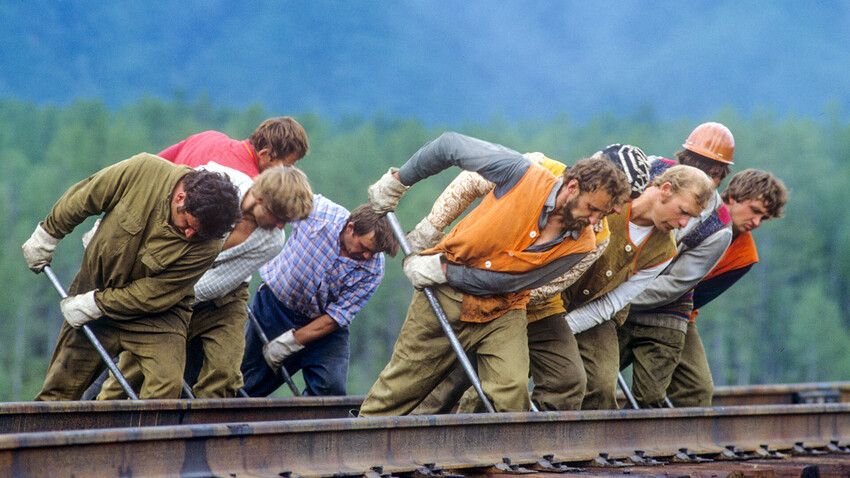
495, 235
740, 253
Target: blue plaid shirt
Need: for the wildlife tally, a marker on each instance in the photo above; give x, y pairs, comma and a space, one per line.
311, 278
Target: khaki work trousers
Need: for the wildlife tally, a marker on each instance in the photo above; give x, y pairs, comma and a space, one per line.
653, 352
423, 357
600, 354
75, 363
220, 328
555, 368
556, 365
691, 384
219, 325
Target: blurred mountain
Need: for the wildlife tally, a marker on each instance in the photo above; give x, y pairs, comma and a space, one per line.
441, 61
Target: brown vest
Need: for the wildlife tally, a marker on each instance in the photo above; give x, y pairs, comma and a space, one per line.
619, 262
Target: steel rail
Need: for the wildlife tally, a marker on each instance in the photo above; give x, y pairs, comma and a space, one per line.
775, 394
19, 417
24, 417
359, 446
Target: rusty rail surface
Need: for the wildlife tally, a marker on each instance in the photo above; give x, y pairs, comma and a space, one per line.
360, 446
773, 394
813, 392
19, 417
49, 416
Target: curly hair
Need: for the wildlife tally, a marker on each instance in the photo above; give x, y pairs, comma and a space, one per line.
595, 173
761, 185
213, 200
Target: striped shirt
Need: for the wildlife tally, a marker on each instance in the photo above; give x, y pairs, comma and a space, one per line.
310, 277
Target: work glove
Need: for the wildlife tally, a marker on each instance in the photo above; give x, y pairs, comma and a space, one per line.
423, 236
80, 309
384, 194
424, 271
277, 350
38, 250
90, 233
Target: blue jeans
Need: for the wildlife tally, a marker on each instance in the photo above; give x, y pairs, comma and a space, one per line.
323, 362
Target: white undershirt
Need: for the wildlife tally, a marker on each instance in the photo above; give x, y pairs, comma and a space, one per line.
603, 308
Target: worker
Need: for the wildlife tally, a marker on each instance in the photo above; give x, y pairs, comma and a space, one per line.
752, 198
329, 268
161, 230
276, 142
482, 279
652, 337
642, 245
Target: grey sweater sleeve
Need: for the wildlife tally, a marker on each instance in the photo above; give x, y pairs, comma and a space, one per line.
484, 283
496, 163
687, 269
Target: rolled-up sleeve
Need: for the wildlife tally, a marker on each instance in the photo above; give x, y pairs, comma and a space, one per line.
352, 298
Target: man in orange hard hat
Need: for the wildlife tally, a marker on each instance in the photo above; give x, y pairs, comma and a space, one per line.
653, 335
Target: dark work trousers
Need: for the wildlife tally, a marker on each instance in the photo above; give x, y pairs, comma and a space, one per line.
323, 362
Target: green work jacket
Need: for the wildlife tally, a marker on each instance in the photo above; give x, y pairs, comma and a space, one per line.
144, 269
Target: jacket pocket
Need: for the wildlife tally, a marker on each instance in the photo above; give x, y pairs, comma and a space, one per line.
118, 228
152, 263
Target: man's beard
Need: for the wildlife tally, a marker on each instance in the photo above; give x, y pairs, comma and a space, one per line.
573, 223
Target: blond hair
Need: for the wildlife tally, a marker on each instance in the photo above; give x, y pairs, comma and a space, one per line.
687, 178
285, 191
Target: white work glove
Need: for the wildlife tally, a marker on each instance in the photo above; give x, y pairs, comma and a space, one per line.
38, 250
384, 194
424, 271
277, 350
88, 235
80, 309
423, 236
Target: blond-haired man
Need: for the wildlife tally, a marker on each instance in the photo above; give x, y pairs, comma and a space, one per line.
641, 246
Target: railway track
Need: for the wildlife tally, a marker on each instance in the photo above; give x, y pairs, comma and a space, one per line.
466, 444
53, 416
307, 437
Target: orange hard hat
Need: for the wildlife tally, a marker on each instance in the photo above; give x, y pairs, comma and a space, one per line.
712, 140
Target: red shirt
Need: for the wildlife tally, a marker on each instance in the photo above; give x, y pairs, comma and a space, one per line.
202, 148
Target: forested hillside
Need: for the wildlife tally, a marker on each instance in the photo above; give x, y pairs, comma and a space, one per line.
786, 321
